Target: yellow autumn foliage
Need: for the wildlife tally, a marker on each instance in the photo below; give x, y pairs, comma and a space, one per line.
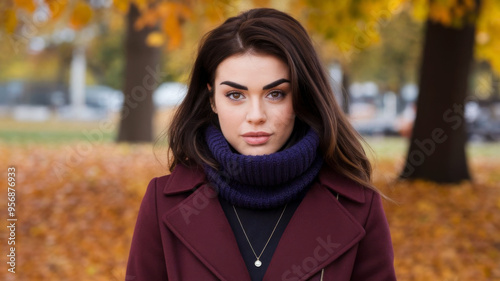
155, 39
355, 23
78, 202
56, 7
28, 5
170, 16
81, 15
8, 20
351, 26
488, 27
121, 5
454, 13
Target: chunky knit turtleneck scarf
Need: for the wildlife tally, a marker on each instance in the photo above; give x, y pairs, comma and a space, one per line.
263, 181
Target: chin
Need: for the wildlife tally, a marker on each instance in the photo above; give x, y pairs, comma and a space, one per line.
256, 151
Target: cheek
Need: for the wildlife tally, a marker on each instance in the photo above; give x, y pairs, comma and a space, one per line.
284, 118
229, 113
229, 116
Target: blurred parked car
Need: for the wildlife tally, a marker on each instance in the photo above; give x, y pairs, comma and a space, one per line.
169, 94
369, 120
483, 121
103, 97
100, 102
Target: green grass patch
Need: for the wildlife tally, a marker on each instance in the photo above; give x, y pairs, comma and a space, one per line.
55, 132
59, 132
390, 147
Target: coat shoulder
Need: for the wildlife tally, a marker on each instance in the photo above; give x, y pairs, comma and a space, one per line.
166, 191
161, 181
358, 200
182, 179
343, 186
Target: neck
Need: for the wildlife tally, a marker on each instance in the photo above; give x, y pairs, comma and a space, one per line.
263, 181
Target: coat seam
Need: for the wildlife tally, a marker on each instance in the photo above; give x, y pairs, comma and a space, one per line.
158, 223
367, 218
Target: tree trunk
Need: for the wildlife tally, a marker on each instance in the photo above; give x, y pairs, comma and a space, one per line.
437, 145
141, 79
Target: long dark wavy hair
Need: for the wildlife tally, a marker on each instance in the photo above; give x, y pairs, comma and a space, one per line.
268, 31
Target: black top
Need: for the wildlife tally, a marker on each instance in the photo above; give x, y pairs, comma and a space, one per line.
258, 224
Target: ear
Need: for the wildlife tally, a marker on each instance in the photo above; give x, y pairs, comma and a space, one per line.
212, 100
212, 104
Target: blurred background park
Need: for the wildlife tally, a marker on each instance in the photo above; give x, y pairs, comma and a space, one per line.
87, 88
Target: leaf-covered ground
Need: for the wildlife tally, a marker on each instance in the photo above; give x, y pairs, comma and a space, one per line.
77, 204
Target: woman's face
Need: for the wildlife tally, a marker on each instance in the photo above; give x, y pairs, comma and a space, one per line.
253, 101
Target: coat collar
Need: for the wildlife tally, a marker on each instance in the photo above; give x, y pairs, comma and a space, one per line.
184, 179
340, 184
325, 229
320, 231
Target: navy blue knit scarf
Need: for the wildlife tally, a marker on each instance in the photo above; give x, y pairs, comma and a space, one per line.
263, 181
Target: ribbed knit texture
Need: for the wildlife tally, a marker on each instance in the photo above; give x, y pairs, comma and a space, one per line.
263, 181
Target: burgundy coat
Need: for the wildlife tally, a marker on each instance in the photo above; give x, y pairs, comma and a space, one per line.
182, 234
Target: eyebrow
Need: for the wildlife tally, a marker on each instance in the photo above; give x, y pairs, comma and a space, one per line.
268, 86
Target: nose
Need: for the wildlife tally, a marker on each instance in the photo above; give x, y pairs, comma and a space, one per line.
256, 112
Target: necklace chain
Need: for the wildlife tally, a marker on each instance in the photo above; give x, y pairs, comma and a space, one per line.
258, 263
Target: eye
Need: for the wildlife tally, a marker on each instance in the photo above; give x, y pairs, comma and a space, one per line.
234, 96
276, 95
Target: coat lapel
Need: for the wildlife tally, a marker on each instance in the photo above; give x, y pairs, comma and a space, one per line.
200, 223
319, 232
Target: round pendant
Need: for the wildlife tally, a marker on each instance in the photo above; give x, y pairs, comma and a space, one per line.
258, 263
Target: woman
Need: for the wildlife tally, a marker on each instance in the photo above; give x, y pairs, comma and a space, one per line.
269, 181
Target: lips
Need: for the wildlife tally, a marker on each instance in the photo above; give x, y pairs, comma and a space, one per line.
256, 138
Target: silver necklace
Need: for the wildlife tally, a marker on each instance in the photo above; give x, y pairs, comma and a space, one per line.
258, 263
